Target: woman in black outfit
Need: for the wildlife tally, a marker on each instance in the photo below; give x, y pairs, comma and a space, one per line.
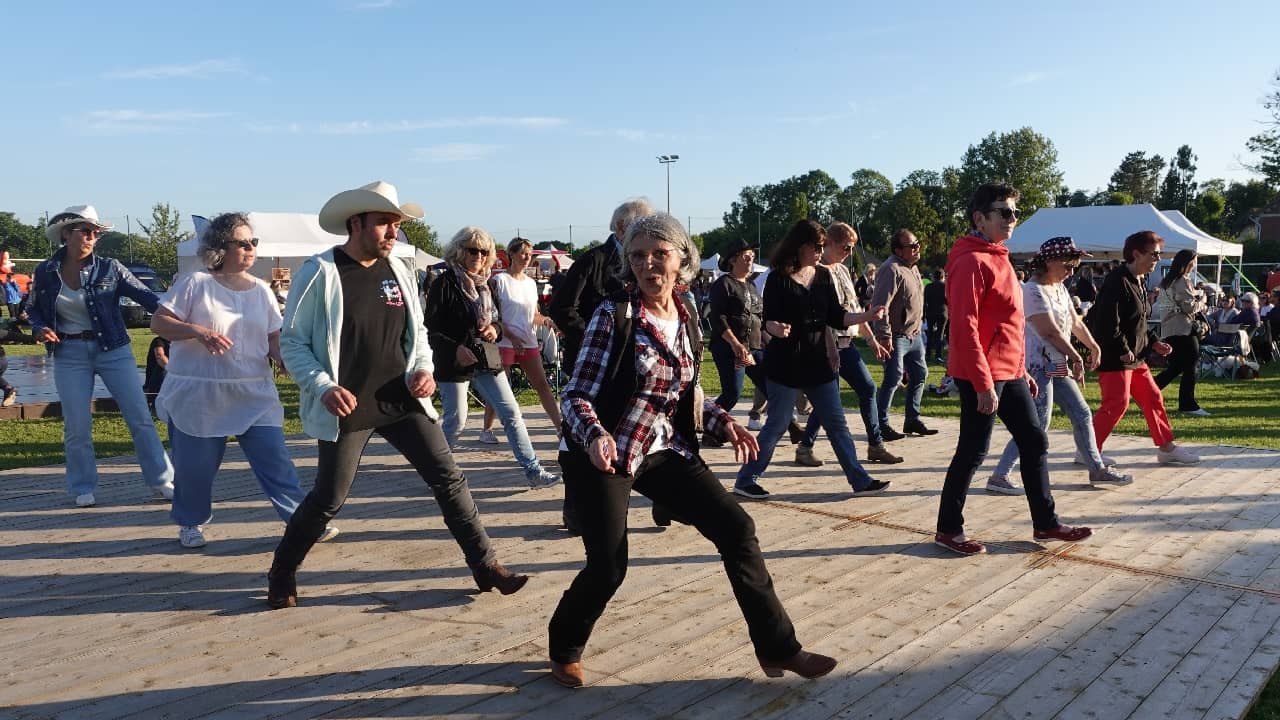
736, 313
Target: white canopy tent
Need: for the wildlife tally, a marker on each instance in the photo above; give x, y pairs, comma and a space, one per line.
286, 240
712, 265
1101, 230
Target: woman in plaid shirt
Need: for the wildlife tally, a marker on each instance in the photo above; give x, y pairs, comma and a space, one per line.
630, 413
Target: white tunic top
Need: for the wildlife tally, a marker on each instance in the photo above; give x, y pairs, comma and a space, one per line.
207, 395
517, 301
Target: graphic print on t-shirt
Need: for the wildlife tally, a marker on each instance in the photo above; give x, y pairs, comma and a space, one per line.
391, 294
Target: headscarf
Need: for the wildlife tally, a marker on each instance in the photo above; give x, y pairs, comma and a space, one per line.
475, 287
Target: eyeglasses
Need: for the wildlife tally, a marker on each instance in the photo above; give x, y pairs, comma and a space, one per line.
90, 231
1005, 212
1156, 254
478, 252
640, 258
910, 246
242, 244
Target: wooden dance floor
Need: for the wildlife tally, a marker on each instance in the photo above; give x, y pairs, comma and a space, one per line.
1169, 611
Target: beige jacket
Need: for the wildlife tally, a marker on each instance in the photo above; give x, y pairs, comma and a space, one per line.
1178, 306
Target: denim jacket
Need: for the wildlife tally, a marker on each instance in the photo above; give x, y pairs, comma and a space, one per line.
104, 281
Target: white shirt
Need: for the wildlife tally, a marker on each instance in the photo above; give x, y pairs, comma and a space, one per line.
517, 300
207, 395
661, 428
1054, 301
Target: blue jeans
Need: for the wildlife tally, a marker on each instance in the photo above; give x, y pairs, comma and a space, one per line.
905, 353
75, 362
495, 391
731, 375
1067, 394
826, 405
197, 459
1018, 411
854, 371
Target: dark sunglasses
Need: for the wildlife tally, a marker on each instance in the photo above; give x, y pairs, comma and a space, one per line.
242, 244
910, 246
1006, 213
481, 252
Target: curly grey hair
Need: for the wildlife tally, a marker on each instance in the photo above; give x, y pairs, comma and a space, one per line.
454, 253
660, 227
213, 242
626, 213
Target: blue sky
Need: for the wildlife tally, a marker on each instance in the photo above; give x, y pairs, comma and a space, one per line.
539, 116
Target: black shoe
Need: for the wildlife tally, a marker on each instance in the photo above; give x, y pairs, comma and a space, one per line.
661, 516
915, 427
570, 526
888, 434
709, 441
875, 488
753, 491
282, 589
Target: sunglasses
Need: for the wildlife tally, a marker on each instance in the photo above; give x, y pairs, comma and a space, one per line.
242, 244
90, 231
910, 246
1005, 213
641, 259
475, 251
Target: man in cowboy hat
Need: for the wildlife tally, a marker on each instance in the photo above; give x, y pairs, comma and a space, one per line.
355, 343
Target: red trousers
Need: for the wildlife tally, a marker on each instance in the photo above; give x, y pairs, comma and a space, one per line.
1117, 387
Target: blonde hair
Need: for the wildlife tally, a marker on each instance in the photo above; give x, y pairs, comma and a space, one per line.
455, 250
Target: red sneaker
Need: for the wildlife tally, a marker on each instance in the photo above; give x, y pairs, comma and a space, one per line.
1065, 533
965, 547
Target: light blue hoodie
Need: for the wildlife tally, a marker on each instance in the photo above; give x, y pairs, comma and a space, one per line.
313, 332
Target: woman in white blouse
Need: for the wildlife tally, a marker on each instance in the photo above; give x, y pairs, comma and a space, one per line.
225, 327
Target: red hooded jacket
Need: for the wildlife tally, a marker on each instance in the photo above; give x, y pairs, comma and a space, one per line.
984, 301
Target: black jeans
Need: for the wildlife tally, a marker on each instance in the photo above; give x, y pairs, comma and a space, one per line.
691, 490
421, 441
1017, 409
1183, 361
935, 336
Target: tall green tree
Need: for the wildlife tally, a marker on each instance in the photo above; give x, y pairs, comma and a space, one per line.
23, 240
1022, 158
159, 248
1178, 190
1138, 176
860, 203
911, 210
422, 236
1266, 144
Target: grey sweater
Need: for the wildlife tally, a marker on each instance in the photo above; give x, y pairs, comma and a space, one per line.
900, 290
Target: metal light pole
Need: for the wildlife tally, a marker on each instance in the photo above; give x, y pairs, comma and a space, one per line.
667, 160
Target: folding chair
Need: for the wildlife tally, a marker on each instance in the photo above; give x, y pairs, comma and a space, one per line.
1241, 345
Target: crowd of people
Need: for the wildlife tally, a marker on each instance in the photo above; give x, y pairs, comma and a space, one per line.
367, 355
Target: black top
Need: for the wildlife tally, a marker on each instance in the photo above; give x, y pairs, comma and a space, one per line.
451, 322
589, 280
935, 300
800, 359
1118, 320
155, 373
738, 306
371, 348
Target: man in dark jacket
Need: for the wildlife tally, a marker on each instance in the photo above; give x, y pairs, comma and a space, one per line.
591, 279
935, 314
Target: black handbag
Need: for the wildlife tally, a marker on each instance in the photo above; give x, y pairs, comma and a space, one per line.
489, 357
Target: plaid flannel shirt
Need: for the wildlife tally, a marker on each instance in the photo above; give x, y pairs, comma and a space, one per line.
663, 374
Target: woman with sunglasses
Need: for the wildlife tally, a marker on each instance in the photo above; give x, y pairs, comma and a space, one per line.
75, 311
1118, 321
1054, 363
516, 295
461, 317
800, 304
224, 326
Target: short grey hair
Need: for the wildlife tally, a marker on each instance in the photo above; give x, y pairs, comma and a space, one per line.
213, 243
1250, 297
627, 212
660, 226
454, 252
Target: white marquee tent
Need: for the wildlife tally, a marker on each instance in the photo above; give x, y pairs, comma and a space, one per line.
712, 265
1101, 230
287, 239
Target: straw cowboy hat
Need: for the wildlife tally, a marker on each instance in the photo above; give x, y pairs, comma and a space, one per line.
377, 196
71, 216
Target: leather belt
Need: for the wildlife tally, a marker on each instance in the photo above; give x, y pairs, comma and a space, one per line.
86, 335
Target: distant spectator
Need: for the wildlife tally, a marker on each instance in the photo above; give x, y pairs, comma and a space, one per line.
1248, 314
1273, 278
12, 295
157, 365
1085, 288
935, 314
10, 394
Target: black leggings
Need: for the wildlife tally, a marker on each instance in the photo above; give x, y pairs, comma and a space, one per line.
1182, 361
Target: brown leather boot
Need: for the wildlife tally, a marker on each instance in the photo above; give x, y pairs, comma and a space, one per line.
494, 576
568, 674
804, 663
282, 589
881, 454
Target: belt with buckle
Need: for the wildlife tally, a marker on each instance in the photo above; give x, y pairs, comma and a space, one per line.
86, 335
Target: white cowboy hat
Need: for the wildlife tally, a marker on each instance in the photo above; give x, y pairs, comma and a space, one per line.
377, 196
70, 216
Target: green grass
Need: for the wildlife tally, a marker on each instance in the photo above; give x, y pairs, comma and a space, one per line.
1244, 413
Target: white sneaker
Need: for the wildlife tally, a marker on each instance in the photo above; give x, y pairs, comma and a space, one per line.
86, 500
754, 424
1000, 485
488, 438
1082, 460
542, 478
1198, 412
330, 532
1177, 456
162, 492
191, 536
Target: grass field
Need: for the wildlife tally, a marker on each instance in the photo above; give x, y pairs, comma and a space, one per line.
1244, 413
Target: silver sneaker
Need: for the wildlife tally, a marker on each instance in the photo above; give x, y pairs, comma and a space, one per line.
191, 536
1177, 456
1109, 476
542, 478
1000, 485
754, 424
488, 438
330, 532
162, 493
